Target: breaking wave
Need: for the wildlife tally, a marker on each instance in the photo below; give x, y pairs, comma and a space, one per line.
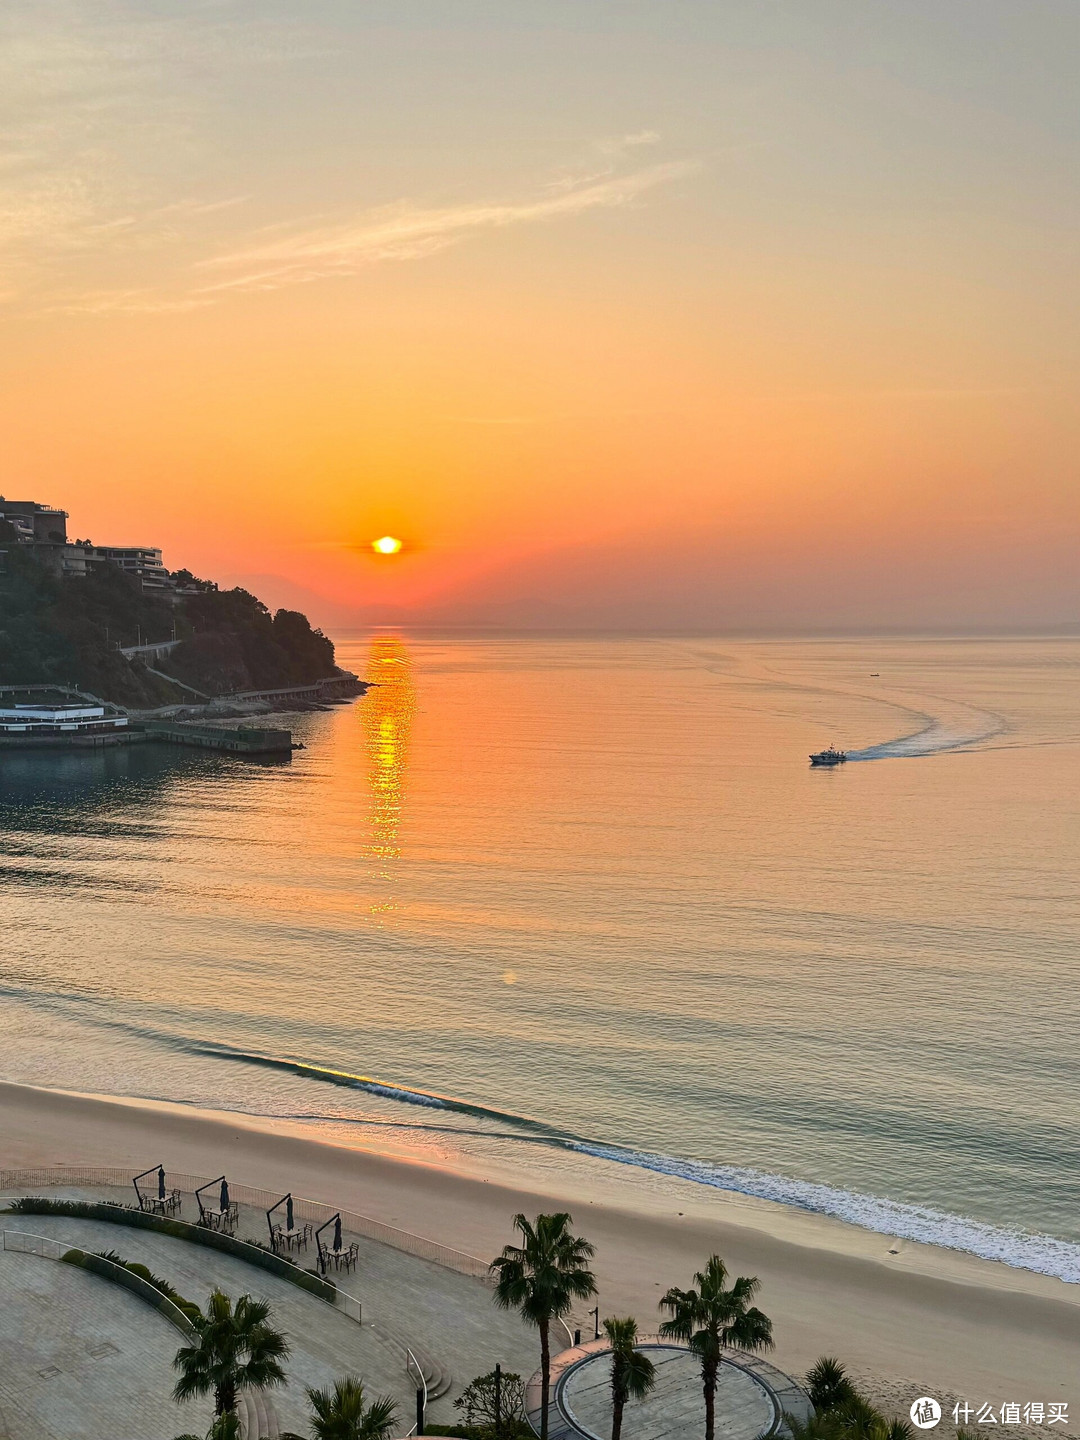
1043, 1254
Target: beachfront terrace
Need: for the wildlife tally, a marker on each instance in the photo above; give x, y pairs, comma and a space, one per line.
412, 1318
411, 1314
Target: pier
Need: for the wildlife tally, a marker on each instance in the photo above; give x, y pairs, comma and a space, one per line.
245, 740
59, 718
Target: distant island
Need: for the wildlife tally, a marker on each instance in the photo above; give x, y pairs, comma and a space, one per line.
112, 621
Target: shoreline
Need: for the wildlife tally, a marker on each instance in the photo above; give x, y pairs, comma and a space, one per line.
906, 1318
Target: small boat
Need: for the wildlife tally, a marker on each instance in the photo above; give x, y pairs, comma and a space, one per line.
831, 756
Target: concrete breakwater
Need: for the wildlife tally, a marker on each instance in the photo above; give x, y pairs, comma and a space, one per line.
243, 740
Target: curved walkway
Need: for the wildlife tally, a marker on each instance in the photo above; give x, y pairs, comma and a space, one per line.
447, 1316
324, 1343
752, 1397
80, 1358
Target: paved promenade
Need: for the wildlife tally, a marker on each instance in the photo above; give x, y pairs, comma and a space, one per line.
81, 1359
324, 1342
447, 1318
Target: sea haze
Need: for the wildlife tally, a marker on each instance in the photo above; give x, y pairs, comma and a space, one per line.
576, 904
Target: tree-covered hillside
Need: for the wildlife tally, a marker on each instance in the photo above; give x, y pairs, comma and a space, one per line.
68, 632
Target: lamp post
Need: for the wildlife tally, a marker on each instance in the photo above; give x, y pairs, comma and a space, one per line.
596, 1322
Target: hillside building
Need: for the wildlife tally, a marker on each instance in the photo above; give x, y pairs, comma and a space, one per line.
45, 528
142, 561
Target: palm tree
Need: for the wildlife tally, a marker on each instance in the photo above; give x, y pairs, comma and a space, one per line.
827, 1384
854, 1419
896, 1430
340, 1414
541, 1279
225, 1427
633, 1374
711, 1319
232, 1348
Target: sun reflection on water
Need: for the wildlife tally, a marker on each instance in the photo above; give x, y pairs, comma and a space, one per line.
387, 719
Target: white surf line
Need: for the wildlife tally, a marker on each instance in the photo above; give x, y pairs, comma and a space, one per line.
1023, 1250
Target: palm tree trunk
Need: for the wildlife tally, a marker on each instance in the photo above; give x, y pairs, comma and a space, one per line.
709, 1376
225, 1399
545, 1378
616, 1419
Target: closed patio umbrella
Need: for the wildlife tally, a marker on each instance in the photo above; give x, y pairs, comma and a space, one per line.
224, 1196
288, 1212
337, 1232
161, 1182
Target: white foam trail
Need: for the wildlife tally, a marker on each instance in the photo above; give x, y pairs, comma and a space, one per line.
1044, 1254
937, 736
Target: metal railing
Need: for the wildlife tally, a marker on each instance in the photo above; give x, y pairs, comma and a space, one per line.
348, 1304
313, 1210
112, 1177
45, 1248
412, 1367
20, 1243
244, 1250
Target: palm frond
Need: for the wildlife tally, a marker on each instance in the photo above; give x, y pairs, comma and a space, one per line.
827, 1383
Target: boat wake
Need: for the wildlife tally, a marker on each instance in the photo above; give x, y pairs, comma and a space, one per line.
961, 728
943, 725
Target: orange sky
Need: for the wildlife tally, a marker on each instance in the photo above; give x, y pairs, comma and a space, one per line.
753, 319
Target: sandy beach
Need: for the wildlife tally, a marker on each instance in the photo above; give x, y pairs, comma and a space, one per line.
907, 1319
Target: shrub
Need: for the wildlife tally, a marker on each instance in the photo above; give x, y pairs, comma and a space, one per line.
188, 1307
841, 1412
477, 1404
114, 1214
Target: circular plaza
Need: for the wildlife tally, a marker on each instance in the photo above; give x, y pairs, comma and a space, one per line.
752, 1396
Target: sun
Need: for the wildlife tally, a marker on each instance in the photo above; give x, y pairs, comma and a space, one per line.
386, 545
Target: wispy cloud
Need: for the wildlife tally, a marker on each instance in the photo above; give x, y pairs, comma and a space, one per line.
619, 144
123, 302
409, 232
92, 97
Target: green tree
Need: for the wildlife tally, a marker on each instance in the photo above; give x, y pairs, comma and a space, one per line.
343, 1414
477, 1405
633, 1374
233, 1348
713, 1318
540, 1279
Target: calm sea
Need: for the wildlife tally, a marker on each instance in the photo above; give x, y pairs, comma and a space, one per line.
568, 904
